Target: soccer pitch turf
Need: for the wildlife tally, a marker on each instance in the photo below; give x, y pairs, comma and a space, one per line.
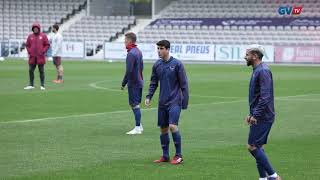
76, 130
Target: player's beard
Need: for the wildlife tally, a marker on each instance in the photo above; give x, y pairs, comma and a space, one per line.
249, 62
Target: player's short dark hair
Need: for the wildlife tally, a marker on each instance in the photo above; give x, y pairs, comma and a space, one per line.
56, 26
164, 43
132, 36
257, 53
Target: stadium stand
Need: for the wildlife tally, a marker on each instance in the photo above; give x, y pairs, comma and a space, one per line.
273, 35
16, 16
98, 28
233, 34
234, 8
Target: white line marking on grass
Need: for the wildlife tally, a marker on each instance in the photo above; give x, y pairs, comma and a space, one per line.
109, 112
150, 109
73, 116
96, 86
205, 96
299, 95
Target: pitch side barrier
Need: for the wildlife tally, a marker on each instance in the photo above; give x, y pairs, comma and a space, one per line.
220, 53
297, 54
188, 52
185, 52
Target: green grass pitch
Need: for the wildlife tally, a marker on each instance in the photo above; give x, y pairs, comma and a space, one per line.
76, 130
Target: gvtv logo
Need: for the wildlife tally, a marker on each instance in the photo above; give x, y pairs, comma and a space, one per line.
289, 10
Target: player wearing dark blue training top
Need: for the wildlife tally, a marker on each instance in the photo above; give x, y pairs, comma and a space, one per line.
133, 78
261, 117
173, 96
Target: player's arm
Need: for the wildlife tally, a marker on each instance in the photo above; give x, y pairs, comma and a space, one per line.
183, 81
129, 68
46, 44
28, 45
60, 40
250, 120
58, 47
154, 81
265, 82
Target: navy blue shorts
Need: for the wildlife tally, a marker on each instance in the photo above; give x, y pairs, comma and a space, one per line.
168, 116
56, 60
135, 95
258, 134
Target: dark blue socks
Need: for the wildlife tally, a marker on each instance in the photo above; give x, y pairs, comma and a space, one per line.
137, 115
263, 163
177, 142
165, 140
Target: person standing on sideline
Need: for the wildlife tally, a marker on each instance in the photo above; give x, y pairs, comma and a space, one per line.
262, 114
173, 96
133, 79
37, 45
56, 44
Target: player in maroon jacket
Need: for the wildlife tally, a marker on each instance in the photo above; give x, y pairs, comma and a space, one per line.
37, 45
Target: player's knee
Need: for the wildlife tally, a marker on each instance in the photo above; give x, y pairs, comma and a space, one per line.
135, 106
164, 130
251, 147
173, 127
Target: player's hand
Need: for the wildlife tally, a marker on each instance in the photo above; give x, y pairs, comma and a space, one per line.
147, 102
123, 87
247, 119
252, 120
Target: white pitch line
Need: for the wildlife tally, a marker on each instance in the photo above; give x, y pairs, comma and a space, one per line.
72, 116
205, 96
96, 86
109, 112
299, 95
150, 109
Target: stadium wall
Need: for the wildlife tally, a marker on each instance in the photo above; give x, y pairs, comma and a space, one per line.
109, 8
188, 52
158, 6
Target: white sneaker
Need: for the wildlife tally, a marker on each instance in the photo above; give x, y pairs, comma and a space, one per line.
141, 128
135, 131
29, 87
42, 88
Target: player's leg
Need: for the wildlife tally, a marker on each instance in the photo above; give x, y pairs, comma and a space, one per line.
59, 69
54, 59
163, 123
262, 172
258, 136
60, 73
32, 67
42, 76
174, 115
136, 107
135, 95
